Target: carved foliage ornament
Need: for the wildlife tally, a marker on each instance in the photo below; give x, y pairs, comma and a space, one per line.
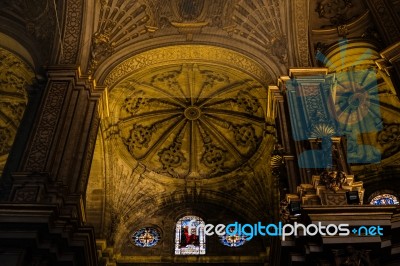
333, 180
140, 137
132, 104
247, 102
172, 157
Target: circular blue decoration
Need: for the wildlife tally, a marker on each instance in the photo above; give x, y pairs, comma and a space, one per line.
146, 237
233, 241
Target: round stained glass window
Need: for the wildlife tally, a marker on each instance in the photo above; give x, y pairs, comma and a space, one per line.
385, 199
146, 237
233, 240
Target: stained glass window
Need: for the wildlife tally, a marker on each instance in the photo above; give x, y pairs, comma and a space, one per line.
189, 236
233, 241
385, 199
146, 237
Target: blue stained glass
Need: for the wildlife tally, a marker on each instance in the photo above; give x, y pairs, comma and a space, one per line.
385, 199
233, 241
146, 237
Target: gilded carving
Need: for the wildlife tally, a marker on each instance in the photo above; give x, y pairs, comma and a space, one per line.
211, 78
334, 199
172, 157
140, 137
245, 135
133, 103
168, 55
333, 180
168, 80
101, 49
214, 158
247, 102
322, 130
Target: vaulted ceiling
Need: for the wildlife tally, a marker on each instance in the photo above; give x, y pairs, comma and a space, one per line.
185, 125
185, 121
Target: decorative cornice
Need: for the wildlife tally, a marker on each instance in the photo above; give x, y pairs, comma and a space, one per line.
178, 54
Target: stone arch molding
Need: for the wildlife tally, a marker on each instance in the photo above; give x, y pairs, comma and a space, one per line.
112, 74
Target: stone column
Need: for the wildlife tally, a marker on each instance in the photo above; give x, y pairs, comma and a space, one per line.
48, 191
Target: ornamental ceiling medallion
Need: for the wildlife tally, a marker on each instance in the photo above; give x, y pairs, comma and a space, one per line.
190, 119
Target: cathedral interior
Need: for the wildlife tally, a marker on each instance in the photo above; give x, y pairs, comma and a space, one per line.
125, 122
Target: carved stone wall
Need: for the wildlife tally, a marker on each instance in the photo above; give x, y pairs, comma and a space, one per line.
71, 41
15, 78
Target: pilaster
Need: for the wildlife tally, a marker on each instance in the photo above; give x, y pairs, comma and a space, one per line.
46, 197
